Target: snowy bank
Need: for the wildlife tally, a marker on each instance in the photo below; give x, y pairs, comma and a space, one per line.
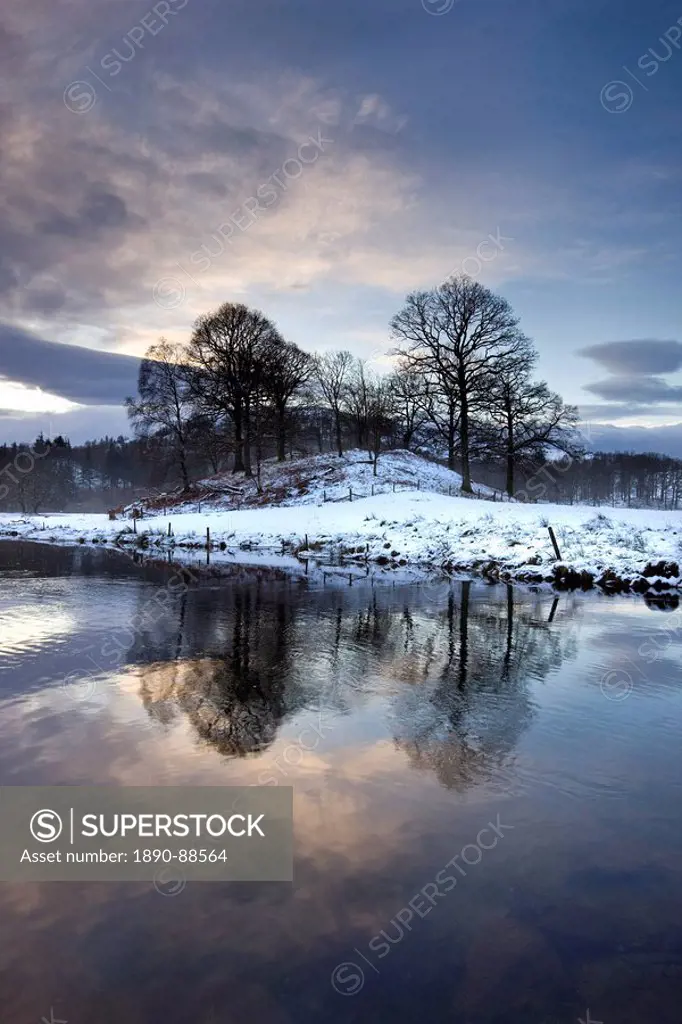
432, 533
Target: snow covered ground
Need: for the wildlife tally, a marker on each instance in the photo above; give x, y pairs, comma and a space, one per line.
424, 531
317, 479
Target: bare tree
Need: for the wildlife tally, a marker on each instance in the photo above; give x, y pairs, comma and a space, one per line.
164, 401
380, 415
230, 350
289, 369
209, 437
332, 376
457, 335
530, 418
357, 399
410, 401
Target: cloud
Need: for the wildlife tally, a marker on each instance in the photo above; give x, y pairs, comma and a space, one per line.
83, 424
82, 375
640, 390
610, 438
627, 411
646, 355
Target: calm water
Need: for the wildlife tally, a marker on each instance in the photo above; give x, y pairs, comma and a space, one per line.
407, 720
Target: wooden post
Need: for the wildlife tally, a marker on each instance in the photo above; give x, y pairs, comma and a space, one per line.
170, 530
350, 493
372, 490
324, 497
394, 488
134, 524
554, 543
208, 538
306, 541
417, 485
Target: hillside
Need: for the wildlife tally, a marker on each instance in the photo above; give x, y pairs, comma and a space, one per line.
313, 481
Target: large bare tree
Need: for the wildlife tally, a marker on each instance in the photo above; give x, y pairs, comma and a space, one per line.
230, 350
457, 336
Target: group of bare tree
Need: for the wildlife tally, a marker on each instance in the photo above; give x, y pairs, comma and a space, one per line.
462, 386
642, 480
467, 367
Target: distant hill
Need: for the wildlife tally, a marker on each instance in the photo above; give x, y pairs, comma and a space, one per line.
664, 440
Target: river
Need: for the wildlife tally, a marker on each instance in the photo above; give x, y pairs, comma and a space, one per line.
487, 793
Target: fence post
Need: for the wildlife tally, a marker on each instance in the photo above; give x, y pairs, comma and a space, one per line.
372, 490
350, 493
554, 543
208, 538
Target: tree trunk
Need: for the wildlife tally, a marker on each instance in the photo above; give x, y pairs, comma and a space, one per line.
281, 434
510, 455
238, 441
451, 436
339, 445
248, 471
464, 438
183, 470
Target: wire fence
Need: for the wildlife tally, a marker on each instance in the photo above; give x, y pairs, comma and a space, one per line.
334, 494
354, 494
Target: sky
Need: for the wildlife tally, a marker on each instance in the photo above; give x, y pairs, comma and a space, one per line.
320, 160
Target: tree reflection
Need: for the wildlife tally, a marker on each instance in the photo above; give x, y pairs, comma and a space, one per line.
452, 664
235, 699
474, 703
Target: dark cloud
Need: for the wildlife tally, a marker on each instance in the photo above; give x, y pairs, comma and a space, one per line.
610, 438
646, 355
79, 425
640, 390
100, 209
625, 411
82, 375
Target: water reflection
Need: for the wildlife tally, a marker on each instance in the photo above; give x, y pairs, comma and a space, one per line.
239, 662
406, 719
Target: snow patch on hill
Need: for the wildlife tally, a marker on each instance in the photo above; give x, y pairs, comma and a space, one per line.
318, 479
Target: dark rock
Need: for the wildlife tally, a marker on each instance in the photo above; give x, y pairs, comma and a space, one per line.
662, 568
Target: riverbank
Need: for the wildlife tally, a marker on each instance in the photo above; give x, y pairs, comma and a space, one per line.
431, 534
